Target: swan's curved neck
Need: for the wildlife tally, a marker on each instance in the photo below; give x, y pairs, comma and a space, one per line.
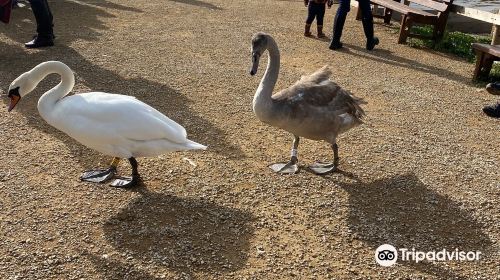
49, 99
262, 101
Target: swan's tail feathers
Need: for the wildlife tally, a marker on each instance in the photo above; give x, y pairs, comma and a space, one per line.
317, 77
191, 145
356, 106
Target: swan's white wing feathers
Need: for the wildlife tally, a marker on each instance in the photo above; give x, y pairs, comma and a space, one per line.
124, 115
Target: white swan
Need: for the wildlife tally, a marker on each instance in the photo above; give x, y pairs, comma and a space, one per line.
116, 125
314, 107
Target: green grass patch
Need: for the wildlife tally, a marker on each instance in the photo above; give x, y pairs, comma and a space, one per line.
457, 43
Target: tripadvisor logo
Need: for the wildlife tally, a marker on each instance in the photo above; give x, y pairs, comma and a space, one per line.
387, 255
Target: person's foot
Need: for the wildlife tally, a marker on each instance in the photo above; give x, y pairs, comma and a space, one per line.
334, 45
40, 42
492, 110
370, 44
320, 32
493, 88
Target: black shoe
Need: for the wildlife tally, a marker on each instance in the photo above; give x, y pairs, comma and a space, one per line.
370, 44
493, 88
492, 110
335, 45
40, 42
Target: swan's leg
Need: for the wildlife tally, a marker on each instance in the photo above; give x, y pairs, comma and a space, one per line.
127, 182
101, 175
290, 167
322, 168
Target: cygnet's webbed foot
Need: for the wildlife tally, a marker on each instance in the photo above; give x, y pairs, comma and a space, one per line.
99, 175
290, 167
285, 168
322, 168
125, 182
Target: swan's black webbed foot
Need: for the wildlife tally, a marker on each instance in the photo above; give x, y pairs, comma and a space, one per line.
322, 168
99, 175
125, 182
290, 167
128, 182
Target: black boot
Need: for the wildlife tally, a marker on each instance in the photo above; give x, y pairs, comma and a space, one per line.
371, 40
320, 32
338, 25
493, 88
307, 30
492, 110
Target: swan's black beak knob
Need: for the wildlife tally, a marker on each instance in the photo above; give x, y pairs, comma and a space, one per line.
14, 98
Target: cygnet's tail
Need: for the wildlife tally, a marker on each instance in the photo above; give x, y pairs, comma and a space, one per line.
191, 145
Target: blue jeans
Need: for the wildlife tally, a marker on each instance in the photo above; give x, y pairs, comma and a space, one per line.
344, 8
364, 5
43, 18
315, 10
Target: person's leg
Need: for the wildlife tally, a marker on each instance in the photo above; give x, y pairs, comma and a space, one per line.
310, 18
44, 29
367, 19
319, 20
338, 23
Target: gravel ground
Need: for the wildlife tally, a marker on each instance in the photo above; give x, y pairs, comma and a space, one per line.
421, 173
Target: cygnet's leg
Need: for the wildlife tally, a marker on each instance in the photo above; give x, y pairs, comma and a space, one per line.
101, 175
126, 182
322, 168
290, 167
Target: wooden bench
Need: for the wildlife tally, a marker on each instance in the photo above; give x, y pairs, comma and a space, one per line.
437, 17
485, 56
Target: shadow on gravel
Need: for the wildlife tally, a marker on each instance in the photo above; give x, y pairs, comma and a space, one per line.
186, 235
387, 57
198, 3
16, 60
404, 212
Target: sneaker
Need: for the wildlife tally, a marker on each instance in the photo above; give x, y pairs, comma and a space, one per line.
40, 42
493, 88
492, 110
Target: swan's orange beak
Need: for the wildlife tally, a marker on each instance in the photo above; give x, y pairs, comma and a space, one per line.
14, 98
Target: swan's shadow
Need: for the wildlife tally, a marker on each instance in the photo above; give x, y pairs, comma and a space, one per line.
183, 234
404, 212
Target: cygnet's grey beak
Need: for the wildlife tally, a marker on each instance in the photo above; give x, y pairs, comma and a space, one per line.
255, 63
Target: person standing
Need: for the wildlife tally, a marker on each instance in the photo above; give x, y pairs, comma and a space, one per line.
367, 20
44, 25
316, 9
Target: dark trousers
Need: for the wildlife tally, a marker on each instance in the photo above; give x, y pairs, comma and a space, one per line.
344, 8
43, 17
315, 10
